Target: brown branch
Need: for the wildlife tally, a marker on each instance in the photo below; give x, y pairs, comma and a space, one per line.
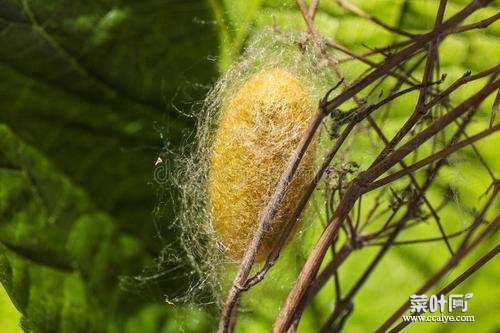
495, 109
417, 187
263, 224
420, 111
354, 190
394, 60
413, 204
432, 173
463, 250
308, 15
461, 278
493, 227
477, 25
323, 277
394, 234
313, 8
324, 109
393, 158
398, 227
356, 118
434, 157
358, 11
417, 241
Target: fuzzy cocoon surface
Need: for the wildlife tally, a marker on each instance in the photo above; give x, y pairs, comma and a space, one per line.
259, 128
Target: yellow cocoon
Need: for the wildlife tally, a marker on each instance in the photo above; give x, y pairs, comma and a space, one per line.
258, 130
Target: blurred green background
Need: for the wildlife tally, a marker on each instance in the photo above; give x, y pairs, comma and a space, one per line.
89, 96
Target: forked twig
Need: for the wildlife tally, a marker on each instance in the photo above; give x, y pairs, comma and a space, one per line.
308, 282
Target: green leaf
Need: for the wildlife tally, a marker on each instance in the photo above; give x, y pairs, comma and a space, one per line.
92, 90
95, 86
9, 316
60, 258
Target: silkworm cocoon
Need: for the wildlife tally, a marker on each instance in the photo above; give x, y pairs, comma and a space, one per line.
259, 128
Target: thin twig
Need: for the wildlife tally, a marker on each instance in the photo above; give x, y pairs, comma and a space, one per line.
461, 278
358, 11
355, 189
434, 157
463, 250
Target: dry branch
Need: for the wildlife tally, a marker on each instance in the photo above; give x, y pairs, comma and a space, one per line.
309, 281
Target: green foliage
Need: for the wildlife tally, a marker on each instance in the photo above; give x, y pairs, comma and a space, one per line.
60, 257
89, 93
91, 88
405, 268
